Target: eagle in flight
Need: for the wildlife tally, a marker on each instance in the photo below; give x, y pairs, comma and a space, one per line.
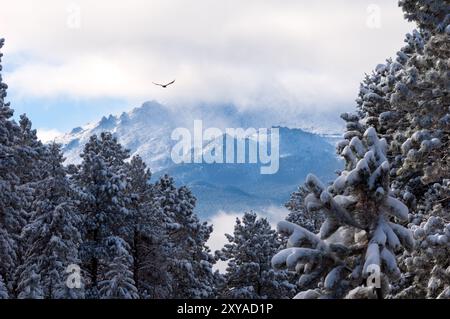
164, 85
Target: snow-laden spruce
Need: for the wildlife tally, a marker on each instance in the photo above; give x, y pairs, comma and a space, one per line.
3, 290
408, 101
118, 282
428, 14
10, 218
422, 95
20, 156
433, 237
52, 236
427, 269
249, 274
189, 259
31, 286
361, 230
298, 214
102, 181
147, 235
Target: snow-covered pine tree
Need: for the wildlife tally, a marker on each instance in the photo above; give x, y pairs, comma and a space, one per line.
31, 286
147, 234
407, 100
118, 280
298, 214
249, 274
29, 157
375, 93
428, 14
11, 214
190, 261
102, 179
427, 269
360, 232
30, 152
141, 194
3, 290
424, 165
422, 93
52, 236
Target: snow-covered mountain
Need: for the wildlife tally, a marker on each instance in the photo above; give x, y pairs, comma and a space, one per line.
146, 131
232, 187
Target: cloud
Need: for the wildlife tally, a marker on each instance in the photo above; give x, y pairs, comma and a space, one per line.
224, 222
47, 135
298, 54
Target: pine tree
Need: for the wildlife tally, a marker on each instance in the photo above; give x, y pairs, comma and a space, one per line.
427, 269
31, 287
11, 214
118, 281
52, 236
249, 274
102, 179
3, 290
360, 230
408, 101
428, 14
29, 157
422, 92
424, 166
299, 214
190, 261
30, 152
147, 234
140, 193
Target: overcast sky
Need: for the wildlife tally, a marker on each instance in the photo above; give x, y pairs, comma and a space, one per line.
70, 62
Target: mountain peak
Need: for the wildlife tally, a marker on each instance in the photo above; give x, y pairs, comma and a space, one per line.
76, 130
108, 122
151, 110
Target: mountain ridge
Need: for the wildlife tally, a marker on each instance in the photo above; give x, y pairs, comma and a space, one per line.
146, 131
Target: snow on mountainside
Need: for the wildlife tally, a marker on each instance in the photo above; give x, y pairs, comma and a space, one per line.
240, 187
146, 131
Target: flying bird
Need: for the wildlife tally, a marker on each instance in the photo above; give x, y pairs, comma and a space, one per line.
164, 85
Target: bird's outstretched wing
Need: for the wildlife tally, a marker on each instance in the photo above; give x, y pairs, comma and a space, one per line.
170, 83
164, 85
